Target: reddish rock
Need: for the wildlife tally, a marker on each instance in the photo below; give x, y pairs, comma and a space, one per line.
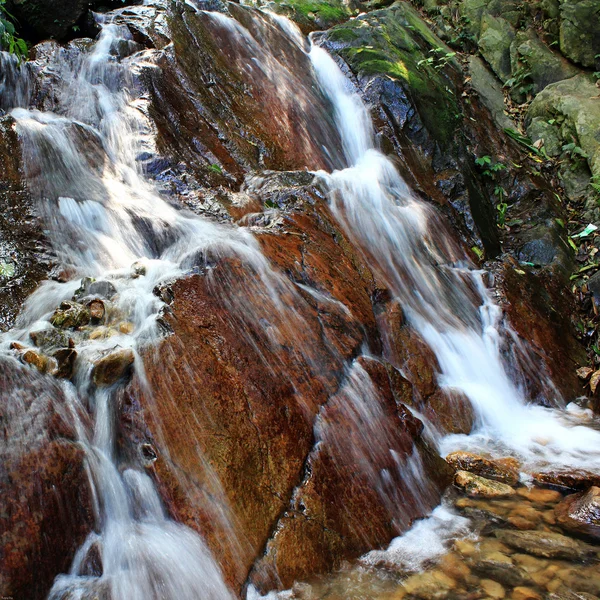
580, 513
46, 502
244, 388
575, 479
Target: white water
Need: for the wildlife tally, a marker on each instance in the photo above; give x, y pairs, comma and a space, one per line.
95, 202
443, 296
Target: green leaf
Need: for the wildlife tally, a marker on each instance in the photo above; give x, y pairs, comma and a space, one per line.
7, 269
587, 231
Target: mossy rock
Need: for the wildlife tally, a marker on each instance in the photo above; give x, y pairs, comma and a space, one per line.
529, 55
576, 101
496, 38
580, 30
395, 42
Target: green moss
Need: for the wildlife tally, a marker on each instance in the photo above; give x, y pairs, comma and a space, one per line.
343, 34
327, 11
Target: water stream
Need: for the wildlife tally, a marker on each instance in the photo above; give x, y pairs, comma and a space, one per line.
106, 221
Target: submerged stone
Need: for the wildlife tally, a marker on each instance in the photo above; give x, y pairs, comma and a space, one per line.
545, 544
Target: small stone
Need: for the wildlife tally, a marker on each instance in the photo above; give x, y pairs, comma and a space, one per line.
465, 547
521, 523
453, 566
126, 327
544, 544
575, 479
504, 470
70, 315
430, 585
138, 269
65, 359
539, 495
17, 346
524, 593
112, 367
500, 568
97, 310
35, 359
492, 588
49, 338
476, 486
104, 289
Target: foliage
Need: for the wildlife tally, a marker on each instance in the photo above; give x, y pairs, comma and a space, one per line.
9, 40
490, 167
440, 59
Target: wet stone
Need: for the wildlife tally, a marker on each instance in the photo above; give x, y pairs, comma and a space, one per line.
37, 360
573, 479
476, 486
580, 513
97, 310
544, 544
492, 588
539, 495
499, 567
113, 367
506, 471
70, 315
49, 338
65, 359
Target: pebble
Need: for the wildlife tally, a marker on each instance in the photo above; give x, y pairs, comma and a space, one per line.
492, 588
540, 495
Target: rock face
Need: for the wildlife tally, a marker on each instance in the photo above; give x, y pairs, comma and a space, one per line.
46, 516
25, 259
277, 381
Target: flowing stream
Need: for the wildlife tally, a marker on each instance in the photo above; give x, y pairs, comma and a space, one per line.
106, 221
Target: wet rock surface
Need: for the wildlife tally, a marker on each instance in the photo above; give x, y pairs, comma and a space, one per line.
47, 516
25, 257
580, 513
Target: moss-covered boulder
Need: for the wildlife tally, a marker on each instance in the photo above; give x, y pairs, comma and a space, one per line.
496, 38
573, 106
535, 65
580, 30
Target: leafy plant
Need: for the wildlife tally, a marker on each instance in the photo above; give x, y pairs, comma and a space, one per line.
437, 62
9, 40
216, 169
574, 151
489, 167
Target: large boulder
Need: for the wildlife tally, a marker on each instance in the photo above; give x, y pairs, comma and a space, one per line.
577, 101
580, 31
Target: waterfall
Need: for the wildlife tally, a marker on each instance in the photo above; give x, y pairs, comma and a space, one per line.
106, 221
443, 297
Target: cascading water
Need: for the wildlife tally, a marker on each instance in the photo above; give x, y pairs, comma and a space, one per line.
102, 216
443, 297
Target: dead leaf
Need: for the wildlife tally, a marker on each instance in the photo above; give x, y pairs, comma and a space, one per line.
584, 372
594, 381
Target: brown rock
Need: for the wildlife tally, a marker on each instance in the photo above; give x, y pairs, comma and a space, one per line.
65, 358
46, 501
476, 486
524, 593
491, 469
575, 479
539, 495
544, 544
492, 588
113, 367
97, 310
580, 513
